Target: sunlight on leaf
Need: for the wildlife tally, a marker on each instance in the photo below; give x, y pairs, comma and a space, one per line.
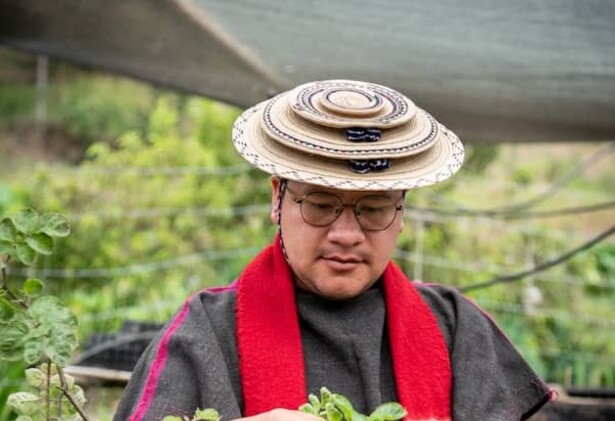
26, 221
35, 377
55, 225
25, 253
388, 412
208, 414
33, 287
8, 232
40, 242
12, 340
7, 310
24, 403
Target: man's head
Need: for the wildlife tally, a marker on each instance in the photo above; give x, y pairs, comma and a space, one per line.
342, 153
337, 242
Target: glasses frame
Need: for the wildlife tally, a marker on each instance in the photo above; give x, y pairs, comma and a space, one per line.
295, 198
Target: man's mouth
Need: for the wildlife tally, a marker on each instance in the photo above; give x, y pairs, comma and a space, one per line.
340, 262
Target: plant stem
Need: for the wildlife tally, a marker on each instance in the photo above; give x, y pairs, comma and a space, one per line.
48, 396
69, 396
5, 281
6, 289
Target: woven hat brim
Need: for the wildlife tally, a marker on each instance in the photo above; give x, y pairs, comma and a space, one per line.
429, 167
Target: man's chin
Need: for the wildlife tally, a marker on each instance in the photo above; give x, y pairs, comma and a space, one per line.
342, 289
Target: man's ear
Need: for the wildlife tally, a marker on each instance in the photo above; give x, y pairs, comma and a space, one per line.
275, 199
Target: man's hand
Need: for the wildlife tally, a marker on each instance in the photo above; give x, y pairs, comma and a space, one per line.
281, 415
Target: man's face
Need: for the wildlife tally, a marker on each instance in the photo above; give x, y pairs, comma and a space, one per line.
341, 260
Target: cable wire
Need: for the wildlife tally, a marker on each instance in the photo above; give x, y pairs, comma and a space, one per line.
479, 267
578, 210
541, 267
136, 269
122, 339
595, 157
154, 171
145, 213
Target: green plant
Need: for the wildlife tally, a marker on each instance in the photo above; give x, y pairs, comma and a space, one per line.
208, 414
330, 406
35, 328
336, 407
11, 381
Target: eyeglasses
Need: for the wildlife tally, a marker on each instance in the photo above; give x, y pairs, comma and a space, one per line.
374, 213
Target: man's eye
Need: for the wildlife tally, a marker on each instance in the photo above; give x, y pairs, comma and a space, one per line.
322, 206
373, 209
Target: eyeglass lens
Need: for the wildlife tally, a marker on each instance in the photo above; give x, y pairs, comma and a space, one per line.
373, 212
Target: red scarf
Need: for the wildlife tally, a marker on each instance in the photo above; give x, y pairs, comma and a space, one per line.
271, 355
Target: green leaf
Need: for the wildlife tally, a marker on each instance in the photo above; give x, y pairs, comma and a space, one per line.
78, 393
55, 380
208, 414
325, 396
172, 418
55, 225
33, 351
313, 399
40, 242
33, 287
26, 221
36, 378
343, 404
62, 408
52, 370
7, 310
61, 352
24, 418
357, 416
50, 311
12, 340
24, 403
333, 414
64, 334
308, 409
6, 247
25, 253
8, 232
57, 325
391, 411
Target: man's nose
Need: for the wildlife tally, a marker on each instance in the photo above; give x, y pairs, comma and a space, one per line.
346, 228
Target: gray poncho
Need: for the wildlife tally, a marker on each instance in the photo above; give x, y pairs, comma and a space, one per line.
346, 347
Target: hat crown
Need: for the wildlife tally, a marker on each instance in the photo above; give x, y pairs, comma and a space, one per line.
351, 102
346, 103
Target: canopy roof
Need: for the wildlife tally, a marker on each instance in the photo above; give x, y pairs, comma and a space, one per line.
492, 70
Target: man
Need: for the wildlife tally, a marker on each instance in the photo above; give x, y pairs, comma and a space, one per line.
323, 305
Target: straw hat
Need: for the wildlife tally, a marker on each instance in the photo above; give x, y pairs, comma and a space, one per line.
347, 135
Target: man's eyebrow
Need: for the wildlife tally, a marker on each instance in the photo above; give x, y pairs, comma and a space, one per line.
308, 189
383, 194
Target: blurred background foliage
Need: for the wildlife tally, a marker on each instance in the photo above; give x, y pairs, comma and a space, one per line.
161, 205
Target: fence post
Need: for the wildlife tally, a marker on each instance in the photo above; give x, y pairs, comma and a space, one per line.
42, 80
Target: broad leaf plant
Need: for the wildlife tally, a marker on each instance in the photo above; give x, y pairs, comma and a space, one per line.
36, 328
